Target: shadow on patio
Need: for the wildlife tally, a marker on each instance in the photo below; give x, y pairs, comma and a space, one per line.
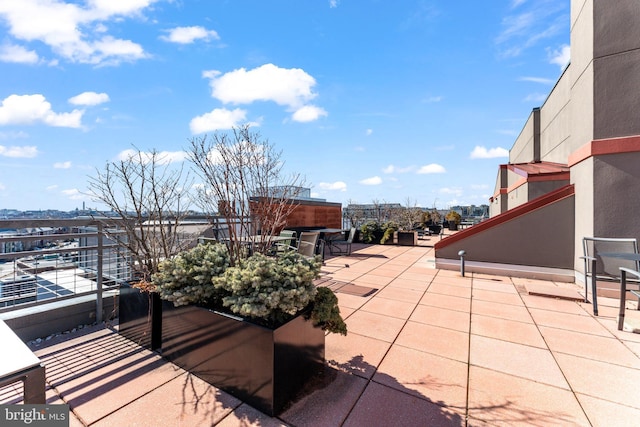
425, 347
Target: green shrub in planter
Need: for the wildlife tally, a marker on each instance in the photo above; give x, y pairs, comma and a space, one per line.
389, 229
267, 290
188, 277
368, 232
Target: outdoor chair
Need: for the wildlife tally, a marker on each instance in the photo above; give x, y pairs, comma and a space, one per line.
282, 246
307, 243
597, 267
338, 246
635, 290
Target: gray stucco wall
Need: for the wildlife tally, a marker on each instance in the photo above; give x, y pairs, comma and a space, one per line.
537, 189
616, 53
48, 319
522, 149
543, 237
616, 195
555, 130
582, 178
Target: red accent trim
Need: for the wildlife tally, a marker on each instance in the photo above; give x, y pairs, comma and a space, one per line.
499, 192
600, 147
565, 176
517, 184
554, 196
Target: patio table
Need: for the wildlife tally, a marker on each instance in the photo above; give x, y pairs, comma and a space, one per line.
258, 239
323, 235
18, 363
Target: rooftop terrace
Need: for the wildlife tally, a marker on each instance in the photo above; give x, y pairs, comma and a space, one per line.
425, 347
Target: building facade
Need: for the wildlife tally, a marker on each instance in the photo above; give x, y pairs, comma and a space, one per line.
582, 145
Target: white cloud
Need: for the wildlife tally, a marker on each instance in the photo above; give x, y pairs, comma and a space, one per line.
73, 194
89, 98
396, 169
18, 54
62, 165
541, 20
561, 56
509, 132
73, 31
456, 191
13, 135
162, 157
374, 180
492, 153
219, 118
431, 168
541, 80
2, 187
52, 187
288, 87
368, 132
334, 3
389, 169
187, 35
308, 113
535, 97
30, 109
433, 99
333, 186
25, 152
479, 187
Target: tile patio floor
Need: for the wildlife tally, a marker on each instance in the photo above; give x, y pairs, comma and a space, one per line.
427, 348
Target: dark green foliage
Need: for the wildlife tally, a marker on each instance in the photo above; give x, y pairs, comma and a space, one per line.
187, 277
326, 313
389, 228
269, 289
368, 232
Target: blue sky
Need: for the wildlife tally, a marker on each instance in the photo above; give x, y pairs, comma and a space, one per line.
367, 99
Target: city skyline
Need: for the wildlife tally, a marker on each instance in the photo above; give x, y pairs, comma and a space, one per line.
367, 100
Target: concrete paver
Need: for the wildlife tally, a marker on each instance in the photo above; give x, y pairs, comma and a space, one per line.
429, 347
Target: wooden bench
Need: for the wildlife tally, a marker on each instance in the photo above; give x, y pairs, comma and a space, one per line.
18, 363
605, 268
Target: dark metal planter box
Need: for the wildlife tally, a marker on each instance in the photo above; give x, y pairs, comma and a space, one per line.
407, 238
140, 317
264, 368
435, 229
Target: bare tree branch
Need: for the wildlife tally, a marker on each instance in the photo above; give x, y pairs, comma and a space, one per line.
152, 195
242, 181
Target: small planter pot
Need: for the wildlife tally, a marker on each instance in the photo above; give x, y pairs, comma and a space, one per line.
140, 316
263, 367
435, 229
407, 238
453, 226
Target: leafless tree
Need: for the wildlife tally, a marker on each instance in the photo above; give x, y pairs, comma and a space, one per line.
150, 195
410, 215
354, 213
242, 180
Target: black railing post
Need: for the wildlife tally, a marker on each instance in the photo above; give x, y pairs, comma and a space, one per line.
99, 272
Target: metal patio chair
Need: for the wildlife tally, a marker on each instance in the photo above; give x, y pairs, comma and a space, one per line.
342, 247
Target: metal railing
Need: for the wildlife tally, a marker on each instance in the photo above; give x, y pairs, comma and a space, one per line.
48, 260
43, 261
